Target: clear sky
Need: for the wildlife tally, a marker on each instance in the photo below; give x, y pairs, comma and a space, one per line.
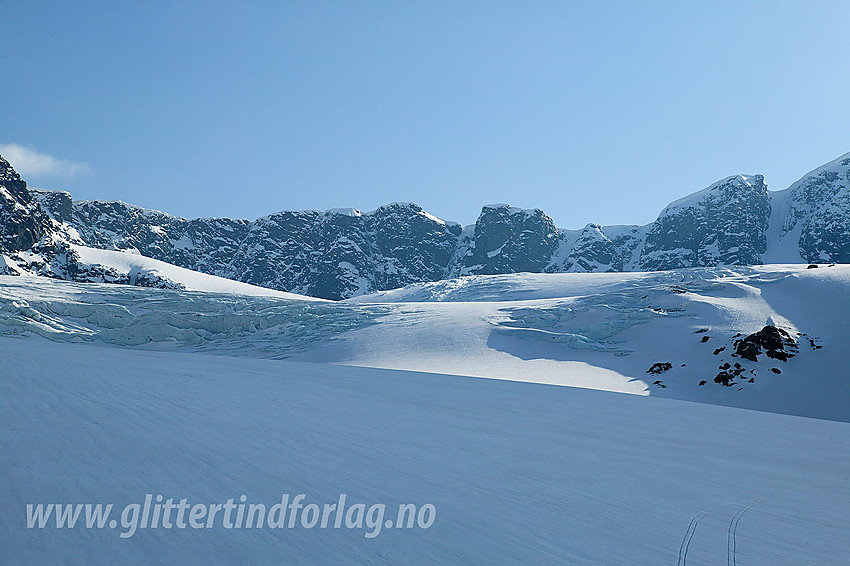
593, 111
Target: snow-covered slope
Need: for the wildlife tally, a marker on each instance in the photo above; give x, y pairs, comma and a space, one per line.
599, 331
91, 265
136, 266
607, 331
518, 473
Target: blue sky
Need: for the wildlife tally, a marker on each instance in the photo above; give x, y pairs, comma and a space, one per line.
592, 111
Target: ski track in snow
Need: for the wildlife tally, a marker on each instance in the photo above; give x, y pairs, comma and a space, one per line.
731, 558
732, 528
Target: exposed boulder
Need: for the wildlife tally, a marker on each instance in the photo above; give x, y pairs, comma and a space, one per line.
774, 342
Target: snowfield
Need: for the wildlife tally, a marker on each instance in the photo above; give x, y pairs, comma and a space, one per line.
518, 473
112, 392
597, 331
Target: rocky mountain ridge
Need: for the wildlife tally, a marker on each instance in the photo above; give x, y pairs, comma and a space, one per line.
342, 253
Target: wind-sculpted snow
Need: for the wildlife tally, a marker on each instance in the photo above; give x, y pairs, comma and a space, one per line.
608, 331
530, 286
343, 253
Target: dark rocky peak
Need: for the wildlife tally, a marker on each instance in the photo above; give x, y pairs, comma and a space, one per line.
341, 253
12, 182
818, 207
58, 204
511, 240
724, 224
22, 221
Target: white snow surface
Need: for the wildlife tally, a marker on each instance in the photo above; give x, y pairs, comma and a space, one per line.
596, 331
125, 262
519, 473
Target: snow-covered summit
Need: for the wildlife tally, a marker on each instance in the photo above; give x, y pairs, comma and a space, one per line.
697, 199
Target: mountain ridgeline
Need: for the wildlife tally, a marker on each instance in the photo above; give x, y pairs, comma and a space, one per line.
342, 253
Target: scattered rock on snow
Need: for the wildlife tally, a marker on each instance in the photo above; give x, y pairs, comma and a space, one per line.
659, 367
728, 374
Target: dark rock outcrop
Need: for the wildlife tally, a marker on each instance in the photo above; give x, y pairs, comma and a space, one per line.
22, 221
660, 367
774, 342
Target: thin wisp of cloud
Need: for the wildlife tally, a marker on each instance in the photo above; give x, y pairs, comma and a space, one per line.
30, 163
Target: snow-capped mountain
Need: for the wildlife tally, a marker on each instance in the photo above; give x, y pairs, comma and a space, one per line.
811, 218
506, 239
140, 388
35, 243
342, 253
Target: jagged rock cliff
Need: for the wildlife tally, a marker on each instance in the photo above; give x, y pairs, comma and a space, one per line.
725, 224
344, 252
22, 221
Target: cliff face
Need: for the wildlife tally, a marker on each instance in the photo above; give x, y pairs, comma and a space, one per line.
507, 240
342, 253
22, 222
725, 224
814, 213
